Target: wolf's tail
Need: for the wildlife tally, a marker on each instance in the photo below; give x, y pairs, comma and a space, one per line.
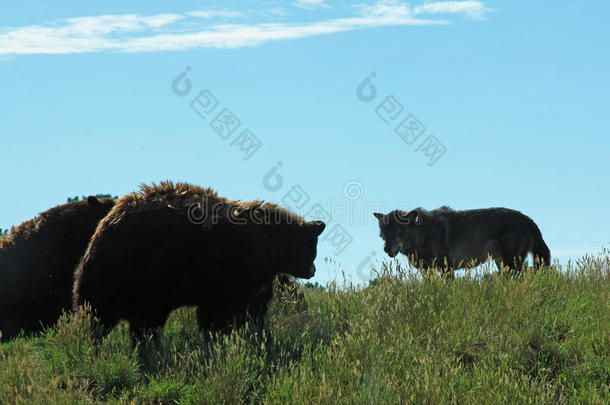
541, 252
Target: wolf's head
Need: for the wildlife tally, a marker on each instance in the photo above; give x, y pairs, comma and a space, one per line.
400, 230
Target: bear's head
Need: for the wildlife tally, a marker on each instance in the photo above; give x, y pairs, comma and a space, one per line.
288, 242
297, 247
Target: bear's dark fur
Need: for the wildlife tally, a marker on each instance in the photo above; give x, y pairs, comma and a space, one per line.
37, 261
170, 245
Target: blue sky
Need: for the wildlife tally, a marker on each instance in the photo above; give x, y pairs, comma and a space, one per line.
516, 95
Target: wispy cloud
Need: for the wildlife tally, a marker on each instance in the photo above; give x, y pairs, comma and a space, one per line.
216, 13
387, 8
474, 9
278, 11
310, 4
201, 29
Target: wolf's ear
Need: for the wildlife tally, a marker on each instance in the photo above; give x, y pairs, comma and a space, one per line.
418, 219
378, 215
402, 218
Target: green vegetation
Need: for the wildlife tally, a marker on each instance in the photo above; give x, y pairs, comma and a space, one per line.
541, 338
76, 198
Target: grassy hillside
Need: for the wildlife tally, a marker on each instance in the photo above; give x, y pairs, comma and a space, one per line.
541, 338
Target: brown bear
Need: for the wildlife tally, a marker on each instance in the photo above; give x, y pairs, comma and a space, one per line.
37, 261
172, 245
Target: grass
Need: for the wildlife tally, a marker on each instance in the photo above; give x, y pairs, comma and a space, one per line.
541, 338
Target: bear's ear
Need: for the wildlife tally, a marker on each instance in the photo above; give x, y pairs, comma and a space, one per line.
317, 226
93, 201
378, 215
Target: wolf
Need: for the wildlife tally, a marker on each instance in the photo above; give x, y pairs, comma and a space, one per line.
447, 239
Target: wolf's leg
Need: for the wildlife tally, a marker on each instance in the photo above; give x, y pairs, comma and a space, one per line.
514, 251
515, 261
493, 250
448, 273
503, 268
